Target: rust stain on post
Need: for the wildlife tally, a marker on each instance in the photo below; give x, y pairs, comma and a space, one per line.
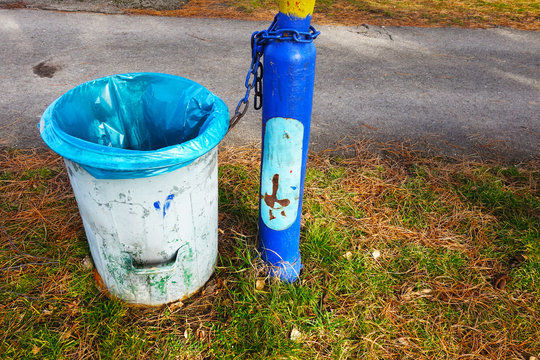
272, 199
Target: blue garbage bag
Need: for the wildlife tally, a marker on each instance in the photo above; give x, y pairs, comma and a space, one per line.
134, 125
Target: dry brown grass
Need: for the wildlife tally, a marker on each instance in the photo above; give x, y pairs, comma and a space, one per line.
524, 15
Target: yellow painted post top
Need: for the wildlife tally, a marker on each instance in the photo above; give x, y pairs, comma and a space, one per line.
298, 8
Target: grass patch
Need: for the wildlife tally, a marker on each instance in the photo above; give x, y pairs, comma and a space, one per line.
521, 14
404, 257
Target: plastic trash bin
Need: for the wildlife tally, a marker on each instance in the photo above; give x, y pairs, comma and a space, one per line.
140, 151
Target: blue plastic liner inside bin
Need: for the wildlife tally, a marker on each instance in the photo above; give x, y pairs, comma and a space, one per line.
135, 125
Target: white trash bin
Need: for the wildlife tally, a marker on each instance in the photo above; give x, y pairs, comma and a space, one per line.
151, 222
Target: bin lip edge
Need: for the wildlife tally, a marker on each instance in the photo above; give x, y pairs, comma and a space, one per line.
133, 160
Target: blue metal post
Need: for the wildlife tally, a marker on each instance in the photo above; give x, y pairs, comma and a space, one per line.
288, 77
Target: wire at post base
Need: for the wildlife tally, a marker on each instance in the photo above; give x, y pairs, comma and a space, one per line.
286, 271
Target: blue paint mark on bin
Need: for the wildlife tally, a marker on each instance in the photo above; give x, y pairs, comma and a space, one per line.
166, 206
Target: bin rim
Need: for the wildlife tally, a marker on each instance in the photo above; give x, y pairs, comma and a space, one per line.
148, 162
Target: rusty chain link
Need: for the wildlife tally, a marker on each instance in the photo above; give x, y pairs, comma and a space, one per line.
255, 73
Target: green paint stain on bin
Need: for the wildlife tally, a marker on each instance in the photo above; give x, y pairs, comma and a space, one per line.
187, 278
116, 268
161, 284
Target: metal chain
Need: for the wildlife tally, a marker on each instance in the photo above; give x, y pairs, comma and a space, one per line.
254, 76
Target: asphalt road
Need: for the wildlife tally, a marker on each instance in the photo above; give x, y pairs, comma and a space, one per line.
454, 91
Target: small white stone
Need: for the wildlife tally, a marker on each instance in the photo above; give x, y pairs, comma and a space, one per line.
376, 254
295, 334
259, 284
87, 263
403, 341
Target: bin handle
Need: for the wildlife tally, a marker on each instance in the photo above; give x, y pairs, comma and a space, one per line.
160, 267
